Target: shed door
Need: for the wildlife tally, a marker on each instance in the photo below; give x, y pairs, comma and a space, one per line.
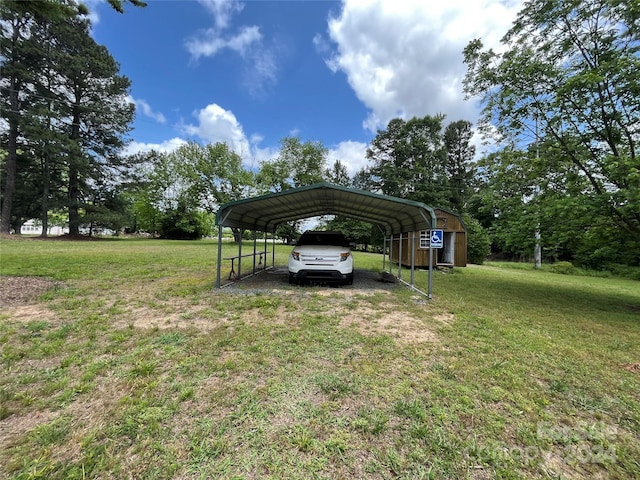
446, 253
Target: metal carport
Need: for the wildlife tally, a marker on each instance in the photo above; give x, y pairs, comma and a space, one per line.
394, 216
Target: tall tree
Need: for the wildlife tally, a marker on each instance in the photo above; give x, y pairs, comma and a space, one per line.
460, 171
387, 172
43, 46
45, 135
569, 75
338, 174
363, 179
21, 58
409, 160
298, 164
95, 108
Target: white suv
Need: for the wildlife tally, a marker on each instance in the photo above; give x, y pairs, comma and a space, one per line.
321, 257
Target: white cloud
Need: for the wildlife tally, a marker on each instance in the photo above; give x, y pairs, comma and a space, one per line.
146, 109
351, 154
222, 10
211, 41
166, 146
215, 124
260, 60
405, 58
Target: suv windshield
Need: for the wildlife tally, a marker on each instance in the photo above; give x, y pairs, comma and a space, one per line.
323, 238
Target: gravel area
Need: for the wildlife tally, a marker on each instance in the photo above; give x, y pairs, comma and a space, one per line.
278, 279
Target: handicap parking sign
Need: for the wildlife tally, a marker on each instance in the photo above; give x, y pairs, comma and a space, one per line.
436, 239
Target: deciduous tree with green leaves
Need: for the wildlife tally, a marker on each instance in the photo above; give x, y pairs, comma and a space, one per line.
194, 178
567, 74
298, 164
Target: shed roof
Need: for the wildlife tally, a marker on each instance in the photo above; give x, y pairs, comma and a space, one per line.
265, 213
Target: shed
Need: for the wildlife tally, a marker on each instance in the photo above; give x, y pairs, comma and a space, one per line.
454, 250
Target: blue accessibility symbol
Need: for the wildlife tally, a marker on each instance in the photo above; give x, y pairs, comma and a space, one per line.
436, 239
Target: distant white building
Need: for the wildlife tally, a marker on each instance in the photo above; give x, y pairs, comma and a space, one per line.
33, 227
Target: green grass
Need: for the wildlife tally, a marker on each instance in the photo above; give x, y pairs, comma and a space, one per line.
134, 366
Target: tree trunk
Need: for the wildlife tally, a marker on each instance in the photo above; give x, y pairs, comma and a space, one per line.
237, 235
16, 225
74, 215
44, 212
74, 182
11, 165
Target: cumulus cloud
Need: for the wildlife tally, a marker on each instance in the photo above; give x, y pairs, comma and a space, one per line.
215, 124
351, 155
404, 59
146, 109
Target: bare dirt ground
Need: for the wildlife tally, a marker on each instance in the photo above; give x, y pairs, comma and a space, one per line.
16, 291
381, 318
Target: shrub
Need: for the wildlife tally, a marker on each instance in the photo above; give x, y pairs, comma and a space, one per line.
181, 224
478, 241
563, 268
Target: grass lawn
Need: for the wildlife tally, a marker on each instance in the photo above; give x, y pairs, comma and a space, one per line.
129, 364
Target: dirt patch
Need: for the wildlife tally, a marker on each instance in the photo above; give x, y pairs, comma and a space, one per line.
14, 427
23, 290
30, 313
165, 317
399, 325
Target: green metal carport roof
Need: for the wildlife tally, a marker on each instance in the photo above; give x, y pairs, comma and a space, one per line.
265, 213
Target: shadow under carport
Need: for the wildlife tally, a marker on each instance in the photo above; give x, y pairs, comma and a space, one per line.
278, 277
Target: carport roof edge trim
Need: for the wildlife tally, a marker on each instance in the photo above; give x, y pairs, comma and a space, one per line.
414, 218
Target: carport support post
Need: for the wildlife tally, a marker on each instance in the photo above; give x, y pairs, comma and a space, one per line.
265, 250
400, 256
413, 257
255, 243
384, 253
219, 266
240, 257
391, 253
430, 289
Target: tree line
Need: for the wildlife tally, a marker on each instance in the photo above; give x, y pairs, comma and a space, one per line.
561, 105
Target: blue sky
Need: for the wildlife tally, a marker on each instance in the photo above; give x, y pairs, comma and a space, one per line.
250, 73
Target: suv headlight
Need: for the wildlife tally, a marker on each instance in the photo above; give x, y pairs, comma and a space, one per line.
296, 255
344, 256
